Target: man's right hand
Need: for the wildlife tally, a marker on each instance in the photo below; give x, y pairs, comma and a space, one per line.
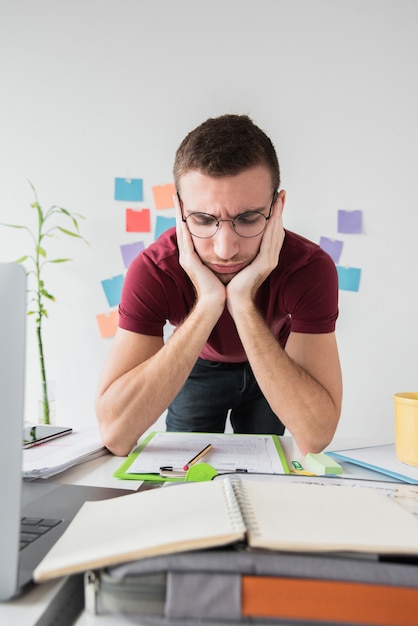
207, 285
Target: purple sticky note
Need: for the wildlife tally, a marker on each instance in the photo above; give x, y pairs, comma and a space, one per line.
350, 222
130, 251
333, 247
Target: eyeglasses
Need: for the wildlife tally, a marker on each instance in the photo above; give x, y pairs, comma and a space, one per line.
248, 224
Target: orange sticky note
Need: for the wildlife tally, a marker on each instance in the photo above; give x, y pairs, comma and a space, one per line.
138, 221
108, 323
163, 196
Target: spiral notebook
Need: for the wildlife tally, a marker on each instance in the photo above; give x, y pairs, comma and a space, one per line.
268, 515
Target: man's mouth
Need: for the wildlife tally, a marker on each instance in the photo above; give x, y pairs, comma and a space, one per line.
226, 268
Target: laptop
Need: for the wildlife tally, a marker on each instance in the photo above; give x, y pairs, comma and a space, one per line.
46, 508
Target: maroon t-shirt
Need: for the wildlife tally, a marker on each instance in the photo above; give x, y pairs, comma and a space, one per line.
300, 295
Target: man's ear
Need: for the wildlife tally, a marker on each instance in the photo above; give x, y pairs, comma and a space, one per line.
281, 199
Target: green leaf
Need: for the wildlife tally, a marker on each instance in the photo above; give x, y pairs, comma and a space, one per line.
41, 251
45, 293
69, 232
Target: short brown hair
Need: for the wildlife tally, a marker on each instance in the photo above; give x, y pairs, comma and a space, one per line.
225, 146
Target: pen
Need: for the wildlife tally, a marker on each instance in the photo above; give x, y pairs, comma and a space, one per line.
198, 456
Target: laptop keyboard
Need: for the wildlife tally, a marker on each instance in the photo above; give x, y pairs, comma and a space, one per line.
33, 527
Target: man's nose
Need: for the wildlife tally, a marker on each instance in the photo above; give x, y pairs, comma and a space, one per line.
226, 240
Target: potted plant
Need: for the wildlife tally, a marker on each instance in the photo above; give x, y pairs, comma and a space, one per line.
49, 224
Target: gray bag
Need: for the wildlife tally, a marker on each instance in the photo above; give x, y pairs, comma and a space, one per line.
205, 587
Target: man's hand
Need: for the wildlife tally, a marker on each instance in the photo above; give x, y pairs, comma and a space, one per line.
205, 282
242, 289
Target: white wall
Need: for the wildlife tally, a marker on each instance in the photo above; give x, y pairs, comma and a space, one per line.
95, 89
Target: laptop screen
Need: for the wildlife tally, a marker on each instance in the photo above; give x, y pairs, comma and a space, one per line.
12, 383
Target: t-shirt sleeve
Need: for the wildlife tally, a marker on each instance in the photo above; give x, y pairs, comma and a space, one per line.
312, 297
143, 304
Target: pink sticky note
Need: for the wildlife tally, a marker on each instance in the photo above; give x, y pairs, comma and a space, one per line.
138, 221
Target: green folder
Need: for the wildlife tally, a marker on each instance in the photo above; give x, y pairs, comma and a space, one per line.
123, 471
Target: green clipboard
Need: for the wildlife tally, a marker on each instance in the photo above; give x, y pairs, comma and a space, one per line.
123, 473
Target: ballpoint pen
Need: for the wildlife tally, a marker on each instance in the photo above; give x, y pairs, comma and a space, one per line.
198, 456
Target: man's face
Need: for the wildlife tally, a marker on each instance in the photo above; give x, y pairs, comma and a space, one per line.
227, 253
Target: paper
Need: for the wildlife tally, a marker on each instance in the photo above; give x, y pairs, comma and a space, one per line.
128, 189
333, 247
350, 222
282, 516
57, 455
163, 196
113, 289
131, 250
380, 459
163, 224
138, 221
230, 452
108, 323
348, 278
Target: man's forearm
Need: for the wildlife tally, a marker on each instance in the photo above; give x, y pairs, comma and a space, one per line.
135, 400
302, 403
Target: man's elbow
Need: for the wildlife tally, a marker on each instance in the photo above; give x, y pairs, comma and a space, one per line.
110, 433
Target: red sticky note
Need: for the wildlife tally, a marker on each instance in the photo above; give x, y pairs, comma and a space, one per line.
163, 196
138, 221
108, 323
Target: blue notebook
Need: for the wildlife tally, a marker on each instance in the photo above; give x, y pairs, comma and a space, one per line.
381, 459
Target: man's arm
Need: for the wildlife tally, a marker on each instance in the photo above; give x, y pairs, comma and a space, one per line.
142, 375
302, 383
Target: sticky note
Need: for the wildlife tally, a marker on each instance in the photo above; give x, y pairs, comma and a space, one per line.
350, 222
108, 324
163, 196
333, 247
138, 221
128, 189
163, 224
113, 289
130, 250
348, 278
321, 464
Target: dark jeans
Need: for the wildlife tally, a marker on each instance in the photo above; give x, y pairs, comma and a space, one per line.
213, 389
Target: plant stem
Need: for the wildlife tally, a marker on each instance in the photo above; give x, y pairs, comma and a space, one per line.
41, 313
45, 399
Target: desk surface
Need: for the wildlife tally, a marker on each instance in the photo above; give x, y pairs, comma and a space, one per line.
27, 609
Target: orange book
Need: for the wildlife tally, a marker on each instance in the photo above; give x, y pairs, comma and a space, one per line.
329, 601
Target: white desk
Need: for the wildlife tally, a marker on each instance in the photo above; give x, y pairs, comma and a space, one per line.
27, 609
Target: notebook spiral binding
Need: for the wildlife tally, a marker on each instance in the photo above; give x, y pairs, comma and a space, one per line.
240, 506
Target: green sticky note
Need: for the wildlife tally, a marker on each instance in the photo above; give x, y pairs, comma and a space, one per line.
321, 463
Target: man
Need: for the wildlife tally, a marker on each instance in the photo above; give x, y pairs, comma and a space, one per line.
254, 308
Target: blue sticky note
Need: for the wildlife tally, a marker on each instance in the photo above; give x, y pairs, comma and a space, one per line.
113, 289
130, 250
348, 278
128, 189
163, 224
350, 222
333, 247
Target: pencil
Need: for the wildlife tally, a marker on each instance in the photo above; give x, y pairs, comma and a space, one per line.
198, 456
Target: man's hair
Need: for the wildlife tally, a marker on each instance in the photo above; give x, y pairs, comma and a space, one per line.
225, 146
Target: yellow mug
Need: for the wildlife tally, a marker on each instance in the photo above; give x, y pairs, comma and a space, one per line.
406, 427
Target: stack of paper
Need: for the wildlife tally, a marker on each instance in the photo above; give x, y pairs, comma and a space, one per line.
59, 454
